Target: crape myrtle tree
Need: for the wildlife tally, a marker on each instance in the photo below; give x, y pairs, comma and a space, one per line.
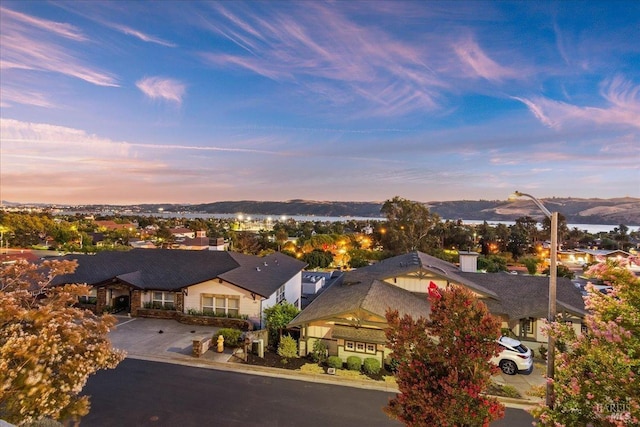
48, 347
443, 362
597, 375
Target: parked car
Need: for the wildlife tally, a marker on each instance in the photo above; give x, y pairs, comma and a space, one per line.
514, 357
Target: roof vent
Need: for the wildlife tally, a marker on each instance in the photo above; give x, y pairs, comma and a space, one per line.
265, 263
257, 268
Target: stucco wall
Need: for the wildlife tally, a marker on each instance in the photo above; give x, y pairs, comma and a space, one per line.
248, 306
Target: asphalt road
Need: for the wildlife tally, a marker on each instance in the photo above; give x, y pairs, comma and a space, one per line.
141, 393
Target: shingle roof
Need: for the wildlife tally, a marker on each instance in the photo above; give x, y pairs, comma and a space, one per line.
523, 296
415, 261
516, 297
171, 270
262, 275
370, 295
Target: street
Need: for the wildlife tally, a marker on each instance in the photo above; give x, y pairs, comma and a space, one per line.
141, 393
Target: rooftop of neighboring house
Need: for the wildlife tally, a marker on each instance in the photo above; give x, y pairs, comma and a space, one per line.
514, 296
172, 270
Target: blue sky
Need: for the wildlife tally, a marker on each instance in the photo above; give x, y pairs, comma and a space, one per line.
190, 102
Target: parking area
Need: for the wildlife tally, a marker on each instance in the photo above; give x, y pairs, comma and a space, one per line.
524, 382
158, 337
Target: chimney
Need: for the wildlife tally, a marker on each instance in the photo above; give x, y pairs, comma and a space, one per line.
468, 261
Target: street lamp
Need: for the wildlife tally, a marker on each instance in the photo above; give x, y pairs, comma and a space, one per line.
553, 276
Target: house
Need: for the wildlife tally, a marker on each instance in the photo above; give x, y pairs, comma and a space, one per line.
589, 256
349, 316
226, 284
198, 243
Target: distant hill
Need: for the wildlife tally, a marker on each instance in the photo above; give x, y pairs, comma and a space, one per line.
576, 211
624, 210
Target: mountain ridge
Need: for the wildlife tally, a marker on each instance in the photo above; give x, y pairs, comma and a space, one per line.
614, 211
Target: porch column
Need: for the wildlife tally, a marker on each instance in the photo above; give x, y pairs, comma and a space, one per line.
136, 302
101, 299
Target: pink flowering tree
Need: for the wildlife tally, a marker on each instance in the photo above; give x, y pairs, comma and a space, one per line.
443, 362
597, 375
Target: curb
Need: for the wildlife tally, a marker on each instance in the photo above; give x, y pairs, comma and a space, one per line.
241, 368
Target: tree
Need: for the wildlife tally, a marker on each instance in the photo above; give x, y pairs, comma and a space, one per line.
531, 263
318, 259
277, 318
596, 379
48, 347
443, 363
408, 225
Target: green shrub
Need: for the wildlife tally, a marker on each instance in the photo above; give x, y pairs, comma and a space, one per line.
334, 362
371, 366
231, 336
319, 353
354, 363
288, 347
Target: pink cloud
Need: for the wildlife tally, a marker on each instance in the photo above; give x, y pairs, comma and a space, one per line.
162, 88
477, 61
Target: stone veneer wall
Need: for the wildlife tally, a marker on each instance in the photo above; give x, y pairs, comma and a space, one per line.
136, 302
222, 322
101, 299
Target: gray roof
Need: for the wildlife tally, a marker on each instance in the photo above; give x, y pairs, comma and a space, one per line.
263, 275
416, 261
373, 296
171, 270
523, 296
516, 297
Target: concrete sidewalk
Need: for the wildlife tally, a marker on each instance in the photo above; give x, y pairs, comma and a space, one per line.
171, 342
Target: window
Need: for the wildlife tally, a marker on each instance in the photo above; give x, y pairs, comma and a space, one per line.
360, 347
221, 305
163, 299
207, 304
92, 298
583, 328
527, 326
280, 295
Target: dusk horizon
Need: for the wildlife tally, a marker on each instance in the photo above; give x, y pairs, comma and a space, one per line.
126, 103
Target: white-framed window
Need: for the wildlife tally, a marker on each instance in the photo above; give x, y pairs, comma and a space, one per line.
221, 305
92, 298
360, 347
163, 299
207, 304
280, 294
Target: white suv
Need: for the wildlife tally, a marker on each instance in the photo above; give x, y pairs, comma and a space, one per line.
514, 357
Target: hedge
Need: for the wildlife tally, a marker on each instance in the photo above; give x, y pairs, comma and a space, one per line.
334, 362
354, 363
371, 366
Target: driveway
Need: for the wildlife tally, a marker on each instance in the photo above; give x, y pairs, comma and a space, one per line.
163, 339
159, 337
522, 382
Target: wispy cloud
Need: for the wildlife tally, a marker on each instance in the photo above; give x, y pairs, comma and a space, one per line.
623, 109
30, 44
60, 29
317, 47
162, 88
139, 34
473, 57
23, 96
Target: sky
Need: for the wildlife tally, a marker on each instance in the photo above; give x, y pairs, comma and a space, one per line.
194, 102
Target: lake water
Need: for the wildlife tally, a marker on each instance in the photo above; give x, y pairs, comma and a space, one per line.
590, 228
